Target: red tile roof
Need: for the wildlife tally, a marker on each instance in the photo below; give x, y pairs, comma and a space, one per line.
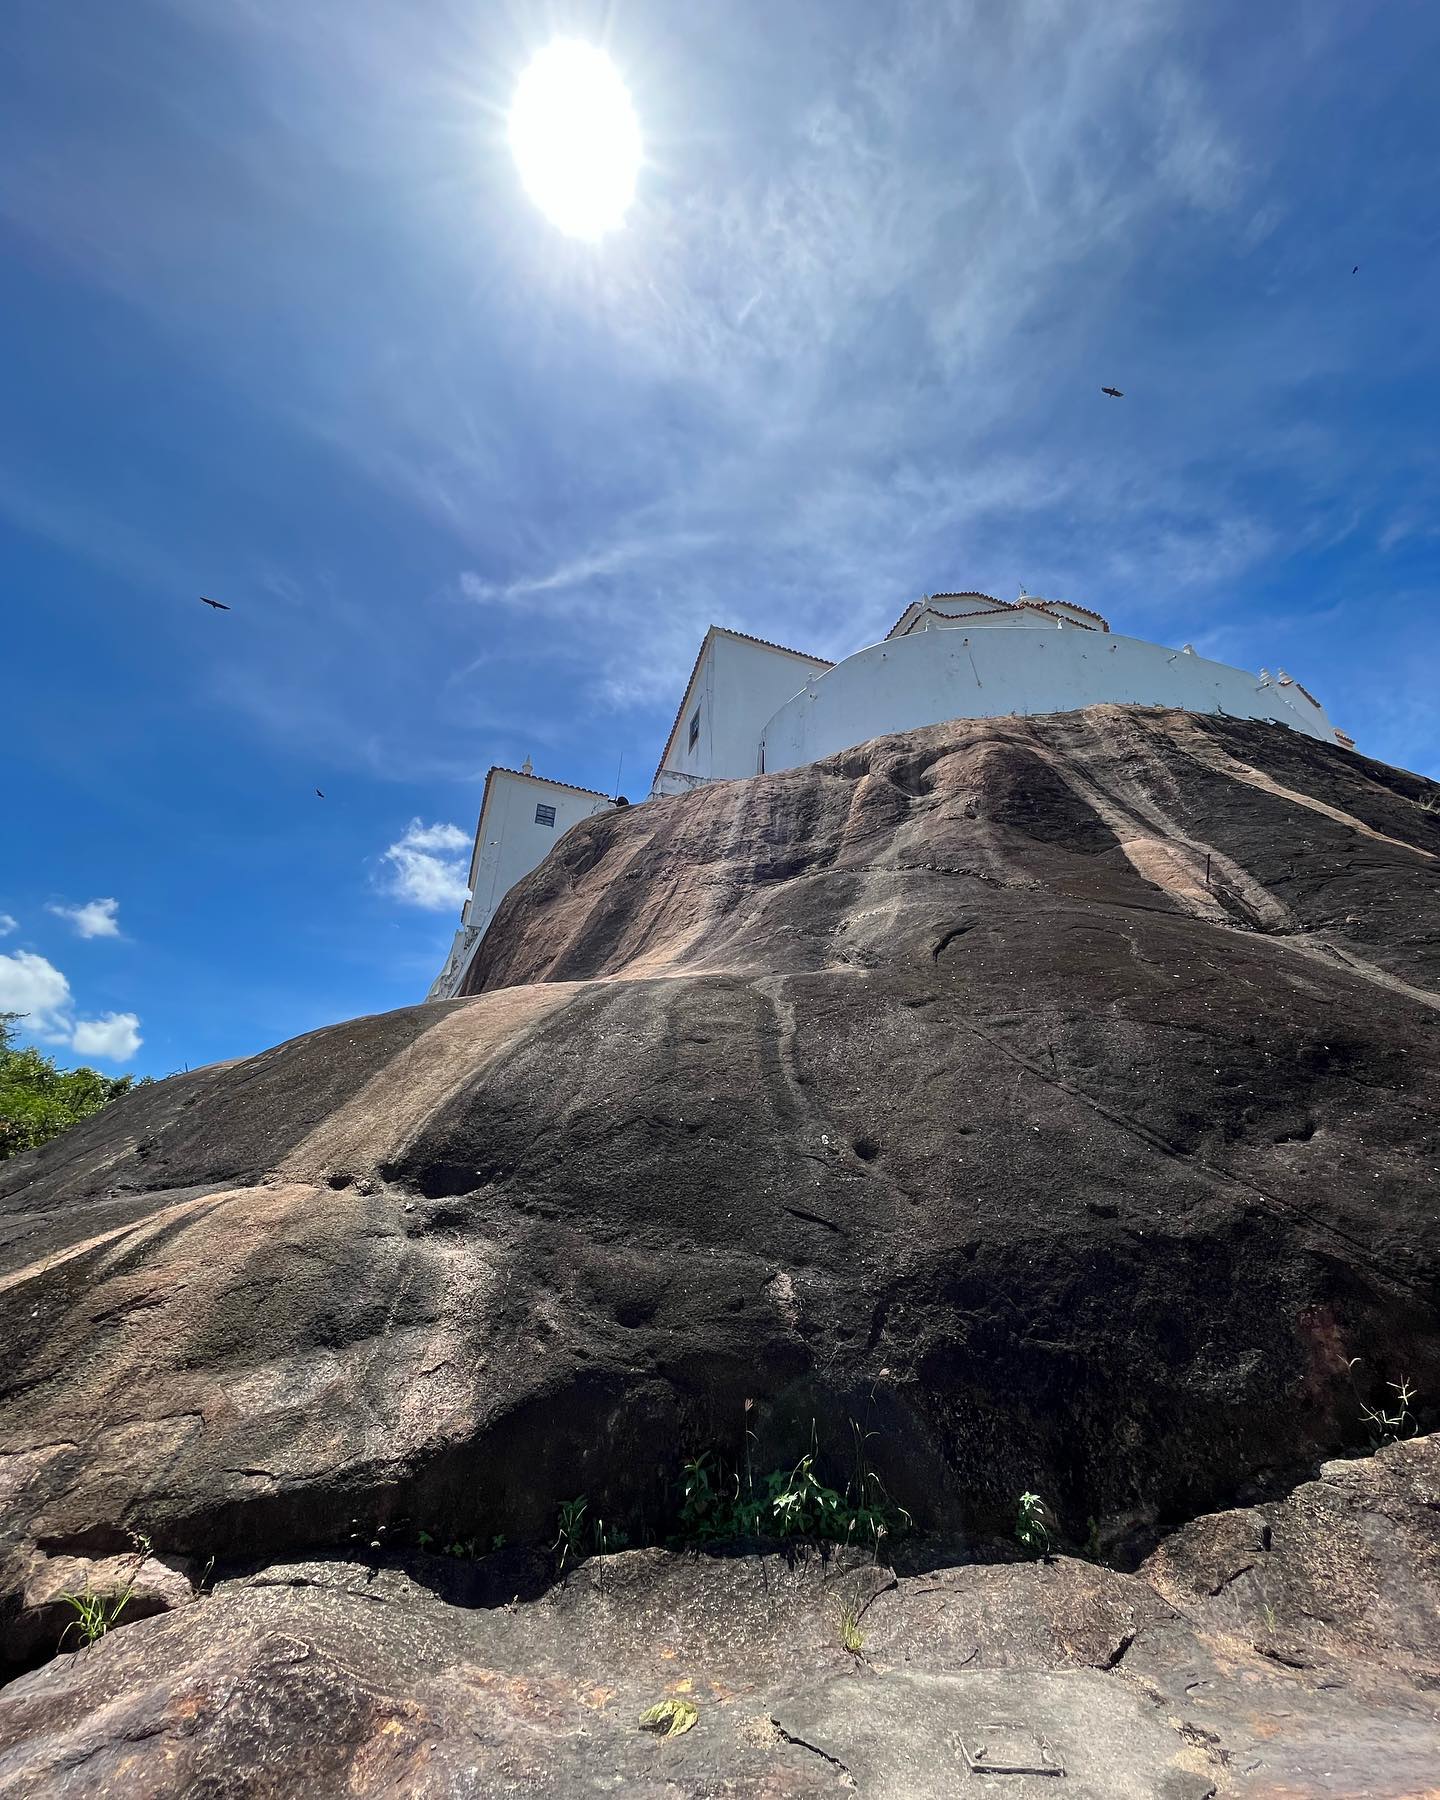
1045, 605
994, 606
804, 655
549, 780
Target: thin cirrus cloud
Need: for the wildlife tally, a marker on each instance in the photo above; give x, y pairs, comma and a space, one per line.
428, 866
847, 346
33, 987
93, 919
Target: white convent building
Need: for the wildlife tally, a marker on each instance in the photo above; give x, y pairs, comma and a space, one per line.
752, 706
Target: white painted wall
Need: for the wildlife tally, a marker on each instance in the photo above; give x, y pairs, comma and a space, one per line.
763, 707
508, 845
738, 685
964, 672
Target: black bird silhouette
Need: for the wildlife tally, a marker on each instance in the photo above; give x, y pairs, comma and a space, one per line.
1114, 393
318, 794
1356, 269
219, 605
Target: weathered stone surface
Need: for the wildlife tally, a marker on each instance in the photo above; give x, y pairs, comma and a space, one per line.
416, 1677
1053, 1098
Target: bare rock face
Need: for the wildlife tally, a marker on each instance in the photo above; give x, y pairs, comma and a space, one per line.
420, 1676
1051, 1101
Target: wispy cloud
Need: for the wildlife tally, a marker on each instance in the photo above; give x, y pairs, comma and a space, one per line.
847, 348
428, 866
8, 923
93, 919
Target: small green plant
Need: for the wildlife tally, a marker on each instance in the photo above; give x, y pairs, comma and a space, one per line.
1393, 1419
94, 1614
609, 1538
718, 1505
852, 1639
570, 1538
1092, 1541
1032, 1528
671, 1718
469, 1549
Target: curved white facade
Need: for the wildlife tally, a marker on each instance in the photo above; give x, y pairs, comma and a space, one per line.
948, 656
966, 669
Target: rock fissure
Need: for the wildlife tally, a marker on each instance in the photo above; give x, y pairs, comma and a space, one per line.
800, 1743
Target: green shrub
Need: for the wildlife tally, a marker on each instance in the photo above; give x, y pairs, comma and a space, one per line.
720, 1504
39, 1101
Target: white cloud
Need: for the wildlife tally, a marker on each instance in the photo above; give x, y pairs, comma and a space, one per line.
435, 837
34, 987
8, 923
31, 985
96, 918
113, 1036
429, 867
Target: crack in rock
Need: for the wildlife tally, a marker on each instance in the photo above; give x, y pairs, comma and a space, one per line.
814, 1749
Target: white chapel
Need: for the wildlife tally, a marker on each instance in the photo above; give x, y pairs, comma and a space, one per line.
752, 706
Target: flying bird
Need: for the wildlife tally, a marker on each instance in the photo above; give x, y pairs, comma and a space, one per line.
1356, 269
219, 605
1114, 393
318, 794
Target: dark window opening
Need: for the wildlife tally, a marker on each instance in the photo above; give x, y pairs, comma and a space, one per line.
695, 728
545, 815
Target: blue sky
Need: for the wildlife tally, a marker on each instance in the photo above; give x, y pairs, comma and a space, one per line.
282, 327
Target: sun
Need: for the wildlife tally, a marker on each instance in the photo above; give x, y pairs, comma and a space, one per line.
575, 138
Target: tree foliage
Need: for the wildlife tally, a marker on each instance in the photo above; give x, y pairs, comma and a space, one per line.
39, 1101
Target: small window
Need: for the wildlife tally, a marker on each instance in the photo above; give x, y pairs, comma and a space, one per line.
695, 728
545, 815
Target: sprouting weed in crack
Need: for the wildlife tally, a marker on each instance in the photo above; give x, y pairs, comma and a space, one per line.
575, 1541
570, 1538
852, 1638
96, 1613
1392, 1420
1032, 1528
721, 1504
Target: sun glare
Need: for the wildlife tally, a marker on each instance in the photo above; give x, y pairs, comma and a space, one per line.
575, 139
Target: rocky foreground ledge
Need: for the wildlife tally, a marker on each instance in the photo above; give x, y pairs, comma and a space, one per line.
1019, 1105
1286, 1649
